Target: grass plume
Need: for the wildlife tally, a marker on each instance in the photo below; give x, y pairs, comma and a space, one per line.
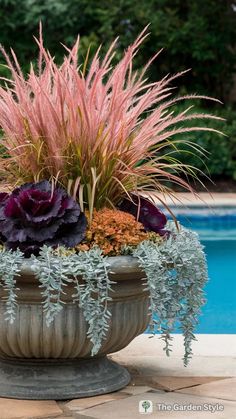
99, 130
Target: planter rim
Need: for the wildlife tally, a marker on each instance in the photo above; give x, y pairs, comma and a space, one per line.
119, 265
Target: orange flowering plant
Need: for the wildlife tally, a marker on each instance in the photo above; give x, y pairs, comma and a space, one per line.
84, 144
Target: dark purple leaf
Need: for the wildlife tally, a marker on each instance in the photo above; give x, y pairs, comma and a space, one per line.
146, 213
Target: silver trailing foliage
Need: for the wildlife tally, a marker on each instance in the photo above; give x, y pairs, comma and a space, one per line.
10, 266
93, 295
55, 270
53, 273
176, 274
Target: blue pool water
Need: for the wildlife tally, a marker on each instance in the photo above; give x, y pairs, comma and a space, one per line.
217, 231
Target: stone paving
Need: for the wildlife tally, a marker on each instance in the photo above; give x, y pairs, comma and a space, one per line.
202, 198
205, 389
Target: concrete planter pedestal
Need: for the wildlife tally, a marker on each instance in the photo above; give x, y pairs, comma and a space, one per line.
39, 362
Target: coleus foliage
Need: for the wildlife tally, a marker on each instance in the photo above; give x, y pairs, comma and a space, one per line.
38, 213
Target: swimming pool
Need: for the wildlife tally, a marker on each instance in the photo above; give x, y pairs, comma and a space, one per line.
217, 230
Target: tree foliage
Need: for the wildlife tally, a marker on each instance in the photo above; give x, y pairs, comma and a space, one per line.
199, 34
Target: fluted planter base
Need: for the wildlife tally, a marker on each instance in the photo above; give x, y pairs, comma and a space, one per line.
60, 380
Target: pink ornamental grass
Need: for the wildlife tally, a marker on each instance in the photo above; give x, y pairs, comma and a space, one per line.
100, 131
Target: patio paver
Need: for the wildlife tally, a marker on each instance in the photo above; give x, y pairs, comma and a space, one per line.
223, 389
136, 389
22, 409
129, 407
87, 402
205, 345
204, 198
171, 383
173, 367
145, 357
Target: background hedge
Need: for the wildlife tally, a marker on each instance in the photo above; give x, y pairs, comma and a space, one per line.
196, 34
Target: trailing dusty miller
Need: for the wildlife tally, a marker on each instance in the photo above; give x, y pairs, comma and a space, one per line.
93, 295
55, 271
176, 274
10, 266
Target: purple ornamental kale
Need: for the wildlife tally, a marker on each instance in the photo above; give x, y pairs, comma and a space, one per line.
36, 214
149, 215
3, 198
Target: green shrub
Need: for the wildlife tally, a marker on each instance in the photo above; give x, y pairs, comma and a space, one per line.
220, 157
196, 34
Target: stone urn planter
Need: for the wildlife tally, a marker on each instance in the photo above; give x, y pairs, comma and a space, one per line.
41, 362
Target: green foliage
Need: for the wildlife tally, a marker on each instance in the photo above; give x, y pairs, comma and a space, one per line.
198, 34
220, 157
